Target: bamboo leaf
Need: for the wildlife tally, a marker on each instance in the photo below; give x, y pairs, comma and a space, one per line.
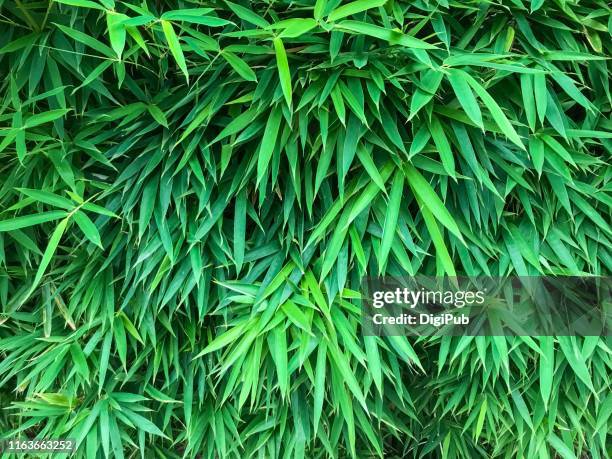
47, 257
30, 220
353, 8
241, 67
175, 46
89, 229
283, 69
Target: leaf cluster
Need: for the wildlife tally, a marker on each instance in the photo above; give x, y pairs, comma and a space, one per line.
191, 193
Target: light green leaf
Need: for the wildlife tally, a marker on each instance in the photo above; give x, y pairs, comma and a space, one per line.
268, 143
87, 226
465, 96
390, 226
45, 117
283, 69
30, 220
241, 67
353, 8
116, 31
175, 46
496, 112
430, 199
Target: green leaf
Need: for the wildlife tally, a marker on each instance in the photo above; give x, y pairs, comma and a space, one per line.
496, 112
374, 363
481, 418
194, 16
283, 69
541, 95
425, 92
87, 40
175, 46
536, 5
223, 340
47, 257
442, 254
87, 226
79, 359
390, 226
443, 146
45, 117
393, 37
423, 190
278, 349
241, 67
560, 447
116, 31
240, 229
405, 350
48, 198
30, 220
574, 358
143, 423
158, 115
248, 15
268, 143
319, 383
319, 9
353, 8
465, 96
296, 316
366, 160
82, 4
546, 368
293, 28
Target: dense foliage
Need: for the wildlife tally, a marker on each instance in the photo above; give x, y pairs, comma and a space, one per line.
192, 191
